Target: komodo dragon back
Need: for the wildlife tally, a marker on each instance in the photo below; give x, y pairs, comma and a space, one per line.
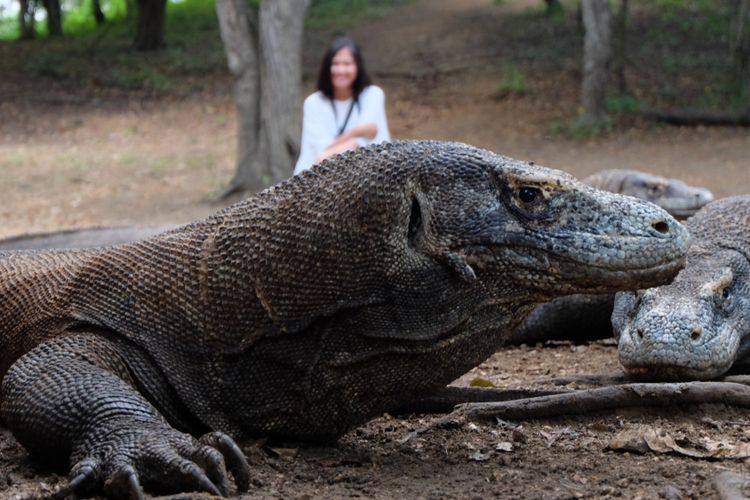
373, 279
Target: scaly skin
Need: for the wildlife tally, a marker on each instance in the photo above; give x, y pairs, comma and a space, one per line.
698, 326
372, 280
587, 317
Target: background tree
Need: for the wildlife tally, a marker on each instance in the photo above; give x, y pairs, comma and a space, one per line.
263, 49
54, 17
96, 7
149, 33
597, 54
26, 19
739, 40
620, 32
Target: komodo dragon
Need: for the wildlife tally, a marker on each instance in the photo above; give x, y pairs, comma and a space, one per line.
372, 280
81, 238
698, 326
587, 317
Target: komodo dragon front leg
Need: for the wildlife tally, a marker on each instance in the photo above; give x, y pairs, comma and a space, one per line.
74, 396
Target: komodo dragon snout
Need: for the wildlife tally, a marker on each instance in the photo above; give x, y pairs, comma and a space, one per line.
694, 328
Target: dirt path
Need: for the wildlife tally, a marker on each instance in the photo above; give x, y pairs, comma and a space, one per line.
69, 160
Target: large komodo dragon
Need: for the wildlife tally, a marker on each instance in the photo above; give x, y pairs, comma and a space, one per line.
698, 326
587, 317
372, 280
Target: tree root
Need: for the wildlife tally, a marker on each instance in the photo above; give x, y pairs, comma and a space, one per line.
597, 379
605, 398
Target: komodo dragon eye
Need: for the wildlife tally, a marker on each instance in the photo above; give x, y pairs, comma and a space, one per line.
724, 299
655, 189
529, 194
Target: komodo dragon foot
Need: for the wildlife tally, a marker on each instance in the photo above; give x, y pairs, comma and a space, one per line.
118, 442
120, 459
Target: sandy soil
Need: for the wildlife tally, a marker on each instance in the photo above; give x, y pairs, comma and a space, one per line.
78, 161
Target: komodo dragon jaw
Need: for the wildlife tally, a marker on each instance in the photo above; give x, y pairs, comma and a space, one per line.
694, 328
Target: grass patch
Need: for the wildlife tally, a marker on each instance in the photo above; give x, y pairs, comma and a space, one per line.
513, 83
581, 128
343, 14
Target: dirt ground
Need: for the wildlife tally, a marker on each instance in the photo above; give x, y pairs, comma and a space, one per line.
68, 160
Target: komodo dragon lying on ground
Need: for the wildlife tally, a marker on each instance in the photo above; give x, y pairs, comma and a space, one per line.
372, 280
698, 326
587, 317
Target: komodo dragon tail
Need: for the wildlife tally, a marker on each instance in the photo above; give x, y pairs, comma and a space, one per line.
26, 279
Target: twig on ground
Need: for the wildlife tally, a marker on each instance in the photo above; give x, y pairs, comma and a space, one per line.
605, 398
597, 379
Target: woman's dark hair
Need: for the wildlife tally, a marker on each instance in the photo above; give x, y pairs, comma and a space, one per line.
325, 84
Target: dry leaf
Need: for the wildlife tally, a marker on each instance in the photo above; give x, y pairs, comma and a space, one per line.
478, 456
504, 446
481, 382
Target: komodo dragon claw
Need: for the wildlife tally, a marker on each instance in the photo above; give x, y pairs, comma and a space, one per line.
163, 460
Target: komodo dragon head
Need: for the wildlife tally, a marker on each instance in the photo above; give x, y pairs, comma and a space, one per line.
496, 217
699, 325
673, 195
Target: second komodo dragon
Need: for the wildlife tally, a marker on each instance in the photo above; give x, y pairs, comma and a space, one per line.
372, 280
698, 326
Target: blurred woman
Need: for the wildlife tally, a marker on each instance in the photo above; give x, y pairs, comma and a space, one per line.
346, 112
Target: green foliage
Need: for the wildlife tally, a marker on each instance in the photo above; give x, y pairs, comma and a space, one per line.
622, 104
582, 127
324, 14
512, 83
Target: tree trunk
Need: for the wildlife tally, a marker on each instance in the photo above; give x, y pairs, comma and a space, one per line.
739, 40
597, 53
54, 17
97, 11
620, 47
150, 24
264, 54
26, 20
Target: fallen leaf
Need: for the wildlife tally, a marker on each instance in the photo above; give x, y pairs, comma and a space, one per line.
504, 446
554, 435
642, 439
478, 456
481, 382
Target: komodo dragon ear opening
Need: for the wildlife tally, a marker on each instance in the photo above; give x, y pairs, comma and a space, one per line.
457, 263
415, 222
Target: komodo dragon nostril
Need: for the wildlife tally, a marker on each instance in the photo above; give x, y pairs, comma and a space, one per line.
639, 331
661, 226
696, 333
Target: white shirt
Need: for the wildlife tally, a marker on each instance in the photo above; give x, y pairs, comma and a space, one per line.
321, 124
